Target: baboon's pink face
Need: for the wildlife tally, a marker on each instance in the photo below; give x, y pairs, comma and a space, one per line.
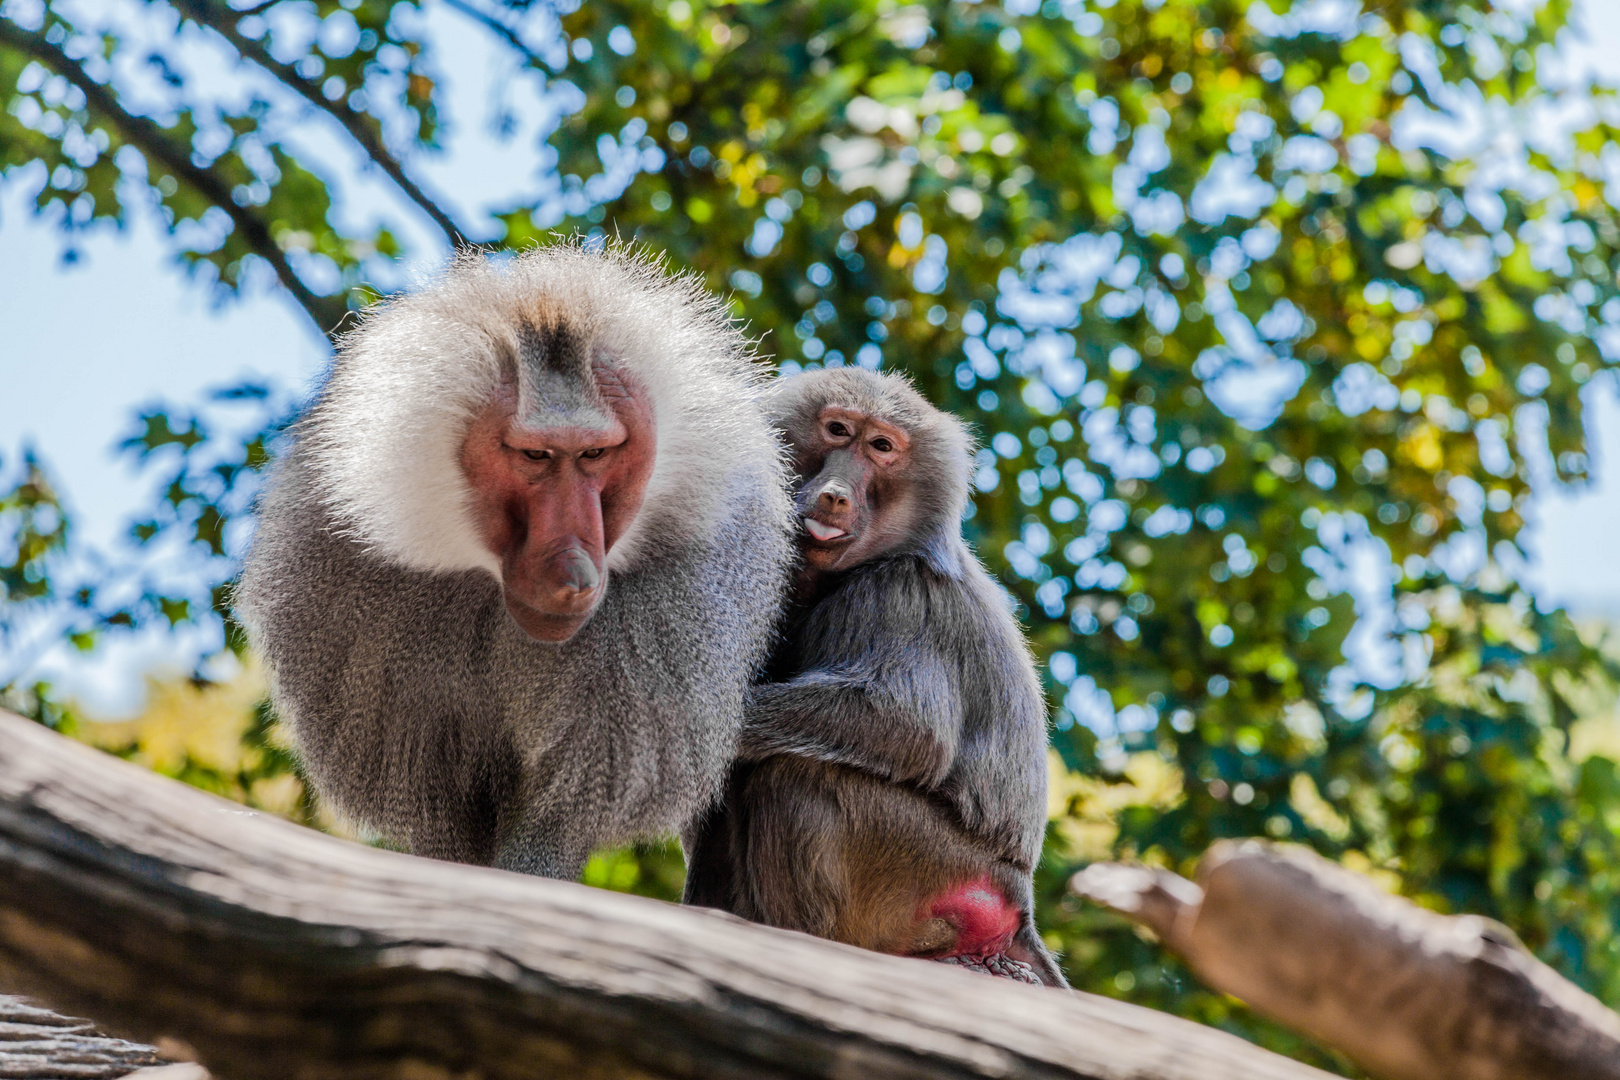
551, 501
852, 502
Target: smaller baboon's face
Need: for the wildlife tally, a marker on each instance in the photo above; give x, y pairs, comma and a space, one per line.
551, 499
853, 500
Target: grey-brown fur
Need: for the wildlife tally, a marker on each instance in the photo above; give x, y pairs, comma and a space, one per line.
898, 743
420, 710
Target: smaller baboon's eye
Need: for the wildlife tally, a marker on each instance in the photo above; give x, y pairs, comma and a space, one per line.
882, 446
593, 453
837, 429
537, 455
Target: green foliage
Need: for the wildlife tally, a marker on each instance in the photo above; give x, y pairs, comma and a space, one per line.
34, 539
57, 589
655, 870
36, 529
1251, 361
206, 479
227, 188
1464, 781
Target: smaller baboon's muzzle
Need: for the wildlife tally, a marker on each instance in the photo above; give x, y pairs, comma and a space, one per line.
833, 498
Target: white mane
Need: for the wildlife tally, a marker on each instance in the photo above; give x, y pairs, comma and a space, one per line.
385, 434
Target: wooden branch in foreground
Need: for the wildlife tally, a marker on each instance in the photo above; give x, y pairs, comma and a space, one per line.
275, 952
1407, 993
36, 1043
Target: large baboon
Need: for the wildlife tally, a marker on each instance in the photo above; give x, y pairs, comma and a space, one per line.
521, 559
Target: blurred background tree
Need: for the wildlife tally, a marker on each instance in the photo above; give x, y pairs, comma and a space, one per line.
1263, 312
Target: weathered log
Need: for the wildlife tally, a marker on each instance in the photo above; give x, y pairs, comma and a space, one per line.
1407, 993
38, 1044
276, 952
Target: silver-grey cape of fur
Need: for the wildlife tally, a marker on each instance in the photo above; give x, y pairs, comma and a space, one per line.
419, 709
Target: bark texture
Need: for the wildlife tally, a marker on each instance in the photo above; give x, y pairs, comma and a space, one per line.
269, 951
38, 1044
1407, 993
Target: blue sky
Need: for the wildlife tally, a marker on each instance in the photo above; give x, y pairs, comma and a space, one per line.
85, 345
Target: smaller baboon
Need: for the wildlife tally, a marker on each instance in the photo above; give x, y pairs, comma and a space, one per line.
890, 790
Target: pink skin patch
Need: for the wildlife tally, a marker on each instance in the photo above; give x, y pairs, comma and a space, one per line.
984, 919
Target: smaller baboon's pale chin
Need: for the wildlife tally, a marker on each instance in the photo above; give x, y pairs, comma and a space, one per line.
827, 543
828, 556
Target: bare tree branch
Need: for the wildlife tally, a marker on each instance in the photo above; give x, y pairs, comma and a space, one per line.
1409, 994
363, 129
156, 143
500, 29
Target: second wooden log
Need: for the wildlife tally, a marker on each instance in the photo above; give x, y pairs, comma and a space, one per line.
1407, 993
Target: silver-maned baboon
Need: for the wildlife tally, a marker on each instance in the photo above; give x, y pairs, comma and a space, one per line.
891, 785
521, 559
